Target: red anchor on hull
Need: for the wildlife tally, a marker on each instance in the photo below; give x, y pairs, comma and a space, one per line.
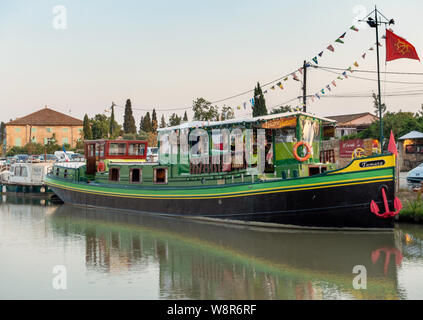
388, 214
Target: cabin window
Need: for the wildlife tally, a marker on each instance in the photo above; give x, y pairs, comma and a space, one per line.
160, 175
135, 175
57, 171
100, 150
65, 175
136, 149
91, 150
21, 171
114, 174
117, 149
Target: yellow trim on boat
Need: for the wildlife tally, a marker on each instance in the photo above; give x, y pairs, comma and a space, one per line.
226, 195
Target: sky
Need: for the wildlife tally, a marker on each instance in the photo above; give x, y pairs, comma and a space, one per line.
165, 54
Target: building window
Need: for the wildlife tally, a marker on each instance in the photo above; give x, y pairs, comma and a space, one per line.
135, 175
114, 174
65, 141
34, 140
136, 149
414, 149
65, 129
17, 129
117, 149
49, 130
18, 142
160, 175
34, 130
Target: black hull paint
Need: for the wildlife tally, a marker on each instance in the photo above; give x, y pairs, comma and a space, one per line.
327, 208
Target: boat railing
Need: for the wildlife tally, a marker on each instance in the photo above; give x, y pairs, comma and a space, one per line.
63, 172
218, 163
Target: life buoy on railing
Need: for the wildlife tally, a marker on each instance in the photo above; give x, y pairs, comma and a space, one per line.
307, 156
101, 167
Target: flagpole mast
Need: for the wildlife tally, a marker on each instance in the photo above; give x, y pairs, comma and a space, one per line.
305, 87
378, 79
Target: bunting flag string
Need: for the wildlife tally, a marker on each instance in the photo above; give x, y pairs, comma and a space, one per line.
331, 48
333, 84
342, 76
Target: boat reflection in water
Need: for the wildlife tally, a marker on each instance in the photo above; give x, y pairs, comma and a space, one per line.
206, 261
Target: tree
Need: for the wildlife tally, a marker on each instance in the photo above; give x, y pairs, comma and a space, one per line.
100, 126
376, 105
400, 123
2, 136
227, 113
282, 109
163, 122
2, 132
174, 120
204, 111
259, 108
142, 124
185, 117
147, 125
154, 122
128, 119
88, 134
112, 130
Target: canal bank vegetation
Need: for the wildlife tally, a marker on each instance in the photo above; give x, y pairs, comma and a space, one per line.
413, 206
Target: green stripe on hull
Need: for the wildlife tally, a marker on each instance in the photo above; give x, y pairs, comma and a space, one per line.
240, 190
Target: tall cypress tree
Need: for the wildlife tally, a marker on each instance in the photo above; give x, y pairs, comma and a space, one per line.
2, 132
128, 119
259, 108
88, 134
163, 122
142, 124
112, 122
147, 123
185, 117
154, 122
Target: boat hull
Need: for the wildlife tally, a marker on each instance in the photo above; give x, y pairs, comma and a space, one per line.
340, 200
321, 209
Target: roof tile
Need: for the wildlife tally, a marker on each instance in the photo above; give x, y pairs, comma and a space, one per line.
47, 117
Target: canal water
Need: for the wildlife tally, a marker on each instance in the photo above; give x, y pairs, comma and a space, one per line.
52, 251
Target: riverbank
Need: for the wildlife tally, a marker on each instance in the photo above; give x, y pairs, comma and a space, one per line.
413, 206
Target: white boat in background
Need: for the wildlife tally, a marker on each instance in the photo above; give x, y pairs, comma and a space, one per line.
25, 177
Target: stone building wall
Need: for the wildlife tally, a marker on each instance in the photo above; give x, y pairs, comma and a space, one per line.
17, 135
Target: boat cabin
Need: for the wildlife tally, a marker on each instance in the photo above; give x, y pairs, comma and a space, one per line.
292, 144
99, 153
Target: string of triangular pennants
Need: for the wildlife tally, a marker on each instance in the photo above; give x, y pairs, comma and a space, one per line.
294, 76
342, 75
331, 48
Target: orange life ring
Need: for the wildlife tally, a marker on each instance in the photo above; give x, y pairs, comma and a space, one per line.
308, 155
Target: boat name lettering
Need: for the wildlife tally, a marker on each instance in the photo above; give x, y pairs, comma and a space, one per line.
370, 164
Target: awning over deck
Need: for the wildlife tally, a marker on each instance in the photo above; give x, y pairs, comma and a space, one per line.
203, 124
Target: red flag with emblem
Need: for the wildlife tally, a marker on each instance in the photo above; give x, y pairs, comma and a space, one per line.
399, 48
392, 148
